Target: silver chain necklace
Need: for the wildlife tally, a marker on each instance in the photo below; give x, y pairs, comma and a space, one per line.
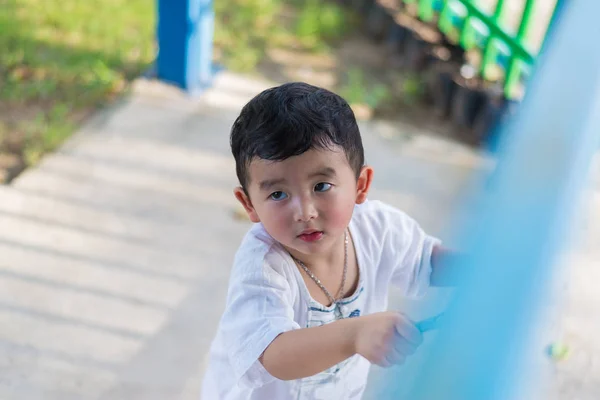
340, 293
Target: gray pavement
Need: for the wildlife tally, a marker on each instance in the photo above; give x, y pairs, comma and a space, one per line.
116, 249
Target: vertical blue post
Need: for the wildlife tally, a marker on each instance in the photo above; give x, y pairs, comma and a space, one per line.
185, 41
520, 225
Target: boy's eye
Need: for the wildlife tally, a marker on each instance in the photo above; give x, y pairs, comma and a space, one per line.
278, 196
322, 187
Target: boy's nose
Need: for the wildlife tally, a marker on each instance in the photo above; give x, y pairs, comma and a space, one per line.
305, 211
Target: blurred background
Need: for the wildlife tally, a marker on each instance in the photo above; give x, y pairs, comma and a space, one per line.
117, 223
62, 60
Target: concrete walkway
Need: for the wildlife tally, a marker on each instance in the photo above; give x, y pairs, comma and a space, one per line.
115, 250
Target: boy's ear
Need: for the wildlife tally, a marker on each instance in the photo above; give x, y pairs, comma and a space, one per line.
364, 184
243, 198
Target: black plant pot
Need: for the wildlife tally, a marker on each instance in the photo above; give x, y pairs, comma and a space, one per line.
468, 100
360, 6
448, 52
440, 88
397, 38
379, 22
417, 53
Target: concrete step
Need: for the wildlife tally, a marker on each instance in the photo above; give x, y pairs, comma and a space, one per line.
115, 250
115, 258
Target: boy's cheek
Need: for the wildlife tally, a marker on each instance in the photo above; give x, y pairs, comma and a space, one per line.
341, 212
275, 221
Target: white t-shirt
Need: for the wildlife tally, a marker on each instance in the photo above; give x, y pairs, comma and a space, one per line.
267, 296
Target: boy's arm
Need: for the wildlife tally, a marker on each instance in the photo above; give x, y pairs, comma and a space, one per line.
441, 274
382, 338
305, 352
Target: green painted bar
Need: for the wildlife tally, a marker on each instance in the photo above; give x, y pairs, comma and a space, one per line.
487, 49
475, 34
526, 20
465, 29
497, 31
499, 9
516, 69
428, 9
455, 10
505, 56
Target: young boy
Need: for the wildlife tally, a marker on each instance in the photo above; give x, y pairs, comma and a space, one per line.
306, 308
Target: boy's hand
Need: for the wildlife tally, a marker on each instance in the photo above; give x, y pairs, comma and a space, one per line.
386, 338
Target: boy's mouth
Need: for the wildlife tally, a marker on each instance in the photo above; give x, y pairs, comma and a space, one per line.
311, 236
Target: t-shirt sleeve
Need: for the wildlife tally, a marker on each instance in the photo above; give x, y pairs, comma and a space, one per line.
259, 308
407, 250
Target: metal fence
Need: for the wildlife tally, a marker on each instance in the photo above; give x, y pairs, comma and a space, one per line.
496, 39
475, 55
505, 53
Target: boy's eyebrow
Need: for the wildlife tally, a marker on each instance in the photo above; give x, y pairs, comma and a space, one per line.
269, 183
327, 172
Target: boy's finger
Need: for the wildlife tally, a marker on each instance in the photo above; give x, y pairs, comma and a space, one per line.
409, 331
402, 346
384, 362
395, 357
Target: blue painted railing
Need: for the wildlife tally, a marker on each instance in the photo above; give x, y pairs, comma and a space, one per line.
185, 43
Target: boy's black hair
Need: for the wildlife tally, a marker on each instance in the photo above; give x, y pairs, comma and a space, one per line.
290, 119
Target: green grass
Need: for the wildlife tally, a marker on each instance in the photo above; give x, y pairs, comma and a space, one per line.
360, 90
245, 29
62, 58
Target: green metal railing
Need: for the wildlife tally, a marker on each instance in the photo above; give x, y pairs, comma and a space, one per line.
504, 56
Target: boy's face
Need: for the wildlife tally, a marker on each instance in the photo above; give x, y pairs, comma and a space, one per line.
305, 202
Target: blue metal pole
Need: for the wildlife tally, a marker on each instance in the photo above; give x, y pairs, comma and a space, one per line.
519, 229
185, 42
